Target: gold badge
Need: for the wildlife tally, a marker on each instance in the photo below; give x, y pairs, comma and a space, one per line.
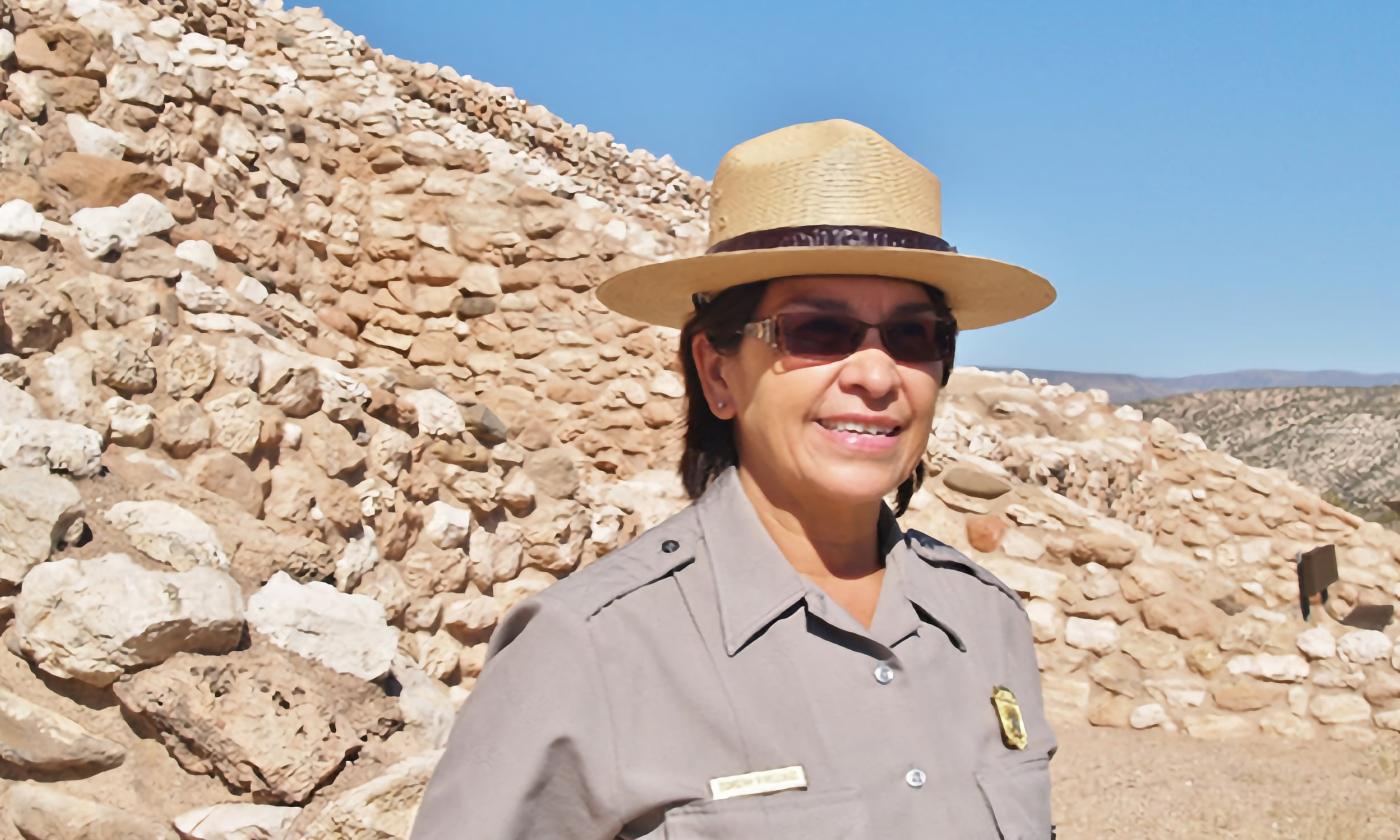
1013, 728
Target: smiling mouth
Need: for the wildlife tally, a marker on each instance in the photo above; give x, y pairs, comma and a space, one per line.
860, 428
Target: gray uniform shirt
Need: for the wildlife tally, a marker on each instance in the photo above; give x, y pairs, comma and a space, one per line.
609, 701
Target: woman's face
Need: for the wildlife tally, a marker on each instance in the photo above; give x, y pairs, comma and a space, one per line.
790, 412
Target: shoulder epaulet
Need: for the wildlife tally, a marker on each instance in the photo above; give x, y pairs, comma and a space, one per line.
941, 555
653, 555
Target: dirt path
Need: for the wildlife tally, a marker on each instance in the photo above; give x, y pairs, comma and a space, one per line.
1153, 786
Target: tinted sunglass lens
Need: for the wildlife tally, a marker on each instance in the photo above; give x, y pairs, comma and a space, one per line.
820, 335
913, 341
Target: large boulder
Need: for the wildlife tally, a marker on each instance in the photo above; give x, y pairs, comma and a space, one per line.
93, 619
264, 721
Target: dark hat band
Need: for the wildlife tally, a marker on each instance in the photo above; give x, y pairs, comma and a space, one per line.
832, 236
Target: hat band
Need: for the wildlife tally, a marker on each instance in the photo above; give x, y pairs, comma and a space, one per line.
832, 236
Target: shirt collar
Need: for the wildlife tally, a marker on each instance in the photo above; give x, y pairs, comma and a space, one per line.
755, 583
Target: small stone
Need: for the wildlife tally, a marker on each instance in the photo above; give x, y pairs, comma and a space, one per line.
18, 220
1317, 643
1182, 616
1286, 667
438, 415
1095, 635
182, 428
984, 532
553, 472
1147, 716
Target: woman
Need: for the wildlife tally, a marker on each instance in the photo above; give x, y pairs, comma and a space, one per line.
779, 659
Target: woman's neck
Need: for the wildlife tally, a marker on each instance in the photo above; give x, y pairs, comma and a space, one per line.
821, 538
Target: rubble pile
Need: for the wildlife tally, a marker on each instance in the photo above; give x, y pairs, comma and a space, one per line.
303, 384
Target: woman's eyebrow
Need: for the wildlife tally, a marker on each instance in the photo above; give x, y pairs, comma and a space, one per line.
826, 304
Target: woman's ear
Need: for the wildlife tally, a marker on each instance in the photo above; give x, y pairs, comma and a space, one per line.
710, 364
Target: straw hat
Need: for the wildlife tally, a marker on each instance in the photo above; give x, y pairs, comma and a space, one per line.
827, 197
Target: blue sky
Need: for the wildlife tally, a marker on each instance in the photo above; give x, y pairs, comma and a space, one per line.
1209, 186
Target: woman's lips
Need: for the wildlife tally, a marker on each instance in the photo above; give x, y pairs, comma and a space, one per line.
860, 443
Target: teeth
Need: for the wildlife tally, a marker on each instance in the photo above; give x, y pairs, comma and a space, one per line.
860, 428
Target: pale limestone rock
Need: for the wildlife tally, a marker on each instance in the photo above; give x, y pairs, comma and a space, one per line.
1030, 580
186, 367
1098, 583
65, 624
1388, 719
1066, 698
89, 138
447, 526
358, 559
1340, 708
1177, 692
1317, 643
52, 444
428, 712
1019, 545
1209, 727
37, 739
104, 229
528, 582
236, 418
39, 811
348, 633
1045, 620
135, 83
240, 363
199, 253
38, 511
195, 295
182, 428
1096, 635
1287, 667
438, 414
1147, 716
12, 276
1363, 647
383, 808
168, 533
20, 221
1285, 724
129, 423
237, 821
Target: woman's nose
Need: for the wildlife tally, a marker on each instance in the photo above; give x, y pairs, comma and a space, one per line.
870, 368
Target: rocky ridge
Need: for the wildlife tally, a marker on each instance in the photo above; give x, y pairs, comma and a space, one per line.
302, 385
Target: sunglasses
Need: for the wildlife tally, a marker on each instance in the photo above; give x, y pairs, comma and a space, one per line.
826, 336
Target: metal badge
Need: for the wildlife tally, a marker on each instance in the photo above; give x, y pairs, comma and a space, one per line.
1013, 727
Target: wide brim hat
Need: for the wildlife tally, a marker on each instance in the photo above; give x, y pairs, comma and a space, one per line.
826, 198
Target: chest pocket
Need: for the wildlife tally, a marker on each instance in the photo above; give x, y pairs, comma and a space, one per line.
1019, 797
837, 814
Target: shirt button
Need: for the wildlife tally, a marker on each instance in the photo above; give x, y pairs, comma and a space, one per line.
884, 674
915, 778
670, 546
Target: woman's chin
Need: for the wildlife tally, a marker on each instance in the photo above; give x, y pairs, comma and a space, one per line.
856, 484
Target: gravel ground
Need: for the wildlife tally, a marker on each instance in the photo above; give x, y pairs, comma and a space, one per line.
1151, 785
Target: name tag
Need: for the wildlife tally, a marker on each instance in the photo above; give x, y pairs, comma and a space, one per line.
762, 781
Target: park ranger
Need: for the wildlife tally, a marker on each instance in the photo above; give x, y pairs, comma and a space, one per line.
779, 659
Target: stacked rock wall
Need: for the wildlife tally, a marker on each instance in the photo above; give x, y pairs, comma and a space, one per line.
303, 384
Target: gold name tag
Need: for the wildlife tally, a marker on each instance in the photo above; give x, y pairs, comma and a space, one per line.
762, 781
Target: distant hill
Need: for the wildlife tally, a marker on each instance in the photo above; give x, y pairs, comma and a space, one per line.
1343, 441
1127, 388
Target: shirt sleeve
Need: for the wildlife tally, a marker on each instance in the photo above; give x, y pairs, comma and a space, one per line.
532, 753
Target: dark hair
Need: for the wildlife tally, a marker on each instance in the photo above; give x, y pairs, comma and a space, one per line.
709, 441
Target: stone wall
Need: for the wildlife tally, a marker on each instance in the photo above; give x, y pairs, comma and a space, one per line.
302, 385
